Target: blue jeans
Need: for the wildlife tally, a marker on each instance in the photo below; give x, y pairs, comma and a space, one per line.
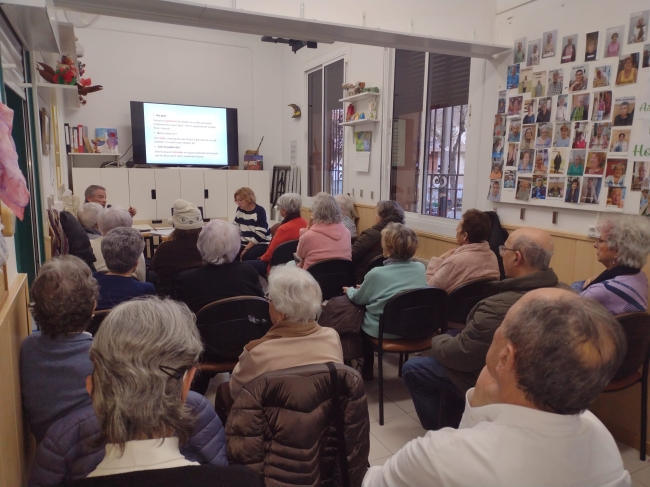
426, 380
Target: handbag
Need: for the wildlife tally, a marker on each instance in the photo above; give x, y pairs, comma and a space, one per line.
343, 315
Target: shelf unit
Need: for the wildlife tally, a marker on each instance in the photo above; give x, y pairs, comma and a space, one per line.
359, 97
365, 121
68, 94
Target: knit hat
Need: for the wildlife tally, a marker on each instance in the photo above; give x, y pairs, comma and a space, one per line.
186, 216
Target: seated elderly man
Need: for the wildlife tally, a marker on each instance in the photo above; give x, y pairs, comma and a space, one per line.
97, 194
144, 357
88, 216
121, 248
526, 422
457, 360
222, 276
110, 218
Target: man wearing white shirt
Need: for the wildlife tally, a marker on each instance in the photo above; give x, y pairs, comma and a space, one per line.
525, 423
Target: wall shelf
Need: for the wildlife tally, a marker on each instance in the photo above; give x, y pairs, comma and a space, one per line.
365, 121
359, 97
67, 94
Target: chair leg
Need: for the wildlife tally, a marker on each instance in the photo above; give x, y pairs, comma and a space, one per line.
644, 417
380, 371
401, 362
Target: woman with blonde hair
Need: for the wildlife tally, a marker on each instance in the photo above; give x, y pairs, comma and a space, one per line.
251, 220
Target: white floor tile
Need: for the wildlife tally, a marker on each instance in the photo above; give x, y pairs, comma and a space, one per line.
630, 458
379, 462
637, 484
415, 416
401, 397
377, 450
397, 432
642, 476
391, 410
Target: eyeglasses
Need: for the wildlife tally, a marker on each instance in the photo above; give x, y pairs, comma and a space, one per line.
503, 248
172, 372
600, 241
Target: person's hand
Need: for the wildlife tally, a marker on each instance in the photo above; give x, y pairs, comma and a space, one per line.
345, 290
486, 391
241, 256
132, 211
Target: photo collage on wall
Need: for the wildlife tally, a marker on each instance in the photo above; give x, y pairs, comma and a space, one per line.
562, 131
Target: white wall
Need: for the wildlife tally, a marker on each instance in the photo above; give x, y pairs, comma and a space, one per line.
531, 20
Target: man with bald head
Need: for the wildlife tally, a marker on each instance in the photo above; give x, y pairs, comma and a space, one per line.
526, 422
457, 360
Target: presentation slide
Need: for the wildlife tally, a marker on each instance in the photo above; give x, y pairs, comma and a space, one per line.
185, 135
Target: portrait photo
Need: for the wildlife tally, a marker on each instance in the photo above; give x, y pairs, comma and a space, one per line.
544, 109
555, 187
525, 80
501, 104
576, 163
499, 126
539, 84
562, 112
497, 169
514, 129
512, 80
555, 82
645, 55
559, 159
539, 188
613, 39
601, 76
544, 136
534, 52
615, 197
530, 110
602, 106
591, 47
591, 190
628, 69
514, 106
644, 209
512, 155
519, 51
569, 47
641, 176
498, 144
572, 192
580, 135
562, 134
523, 189
623, 112
509, 179
526, 157
638, 27
580, 104
549, 40
541, 161
528, 135
620, 140
494, 192
595, 165
615, 171
601, 134
579, 78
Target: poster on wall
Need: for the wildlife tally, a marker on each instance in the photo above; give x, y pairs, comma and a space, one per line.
615, 197
580, 104
534, 52
628, 69
525, 80
523, 188
562, 135
645, 56
624, 111
572, 192
579, 80
514, 130
602, 106
615, 172
580, 135
556, 187
555, 82
519, 51
639, 27
620, 141
591, 190
601, 134
494, 193
549, 39
501, 104
530, 107
558, 161
641, 176
539, 188
613, 39
512, 81
569, 47
602, 76
591, 47
539, 84
514, 106
562, 108
509, 177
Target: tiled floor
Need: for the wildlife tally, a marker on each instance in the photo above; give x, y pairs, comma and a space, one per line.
401, 423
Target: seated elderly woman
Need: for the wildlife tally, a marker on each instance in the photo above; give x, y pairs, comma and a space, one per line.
289, 205
398, 274
88, 216
144, 357
54, 361
121, 248
368, 244
251, 220
471, 261
623, 248
350, 215
295, 338
109, 219
179, 253
325, 237
222, 276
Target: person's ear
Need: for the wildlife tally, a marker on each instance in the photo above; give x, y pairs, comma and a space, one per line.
89, 385
506, 359
187, 382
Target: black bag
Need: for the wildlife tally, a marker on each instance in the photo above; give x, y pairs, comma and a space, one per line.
498, 236
343, 315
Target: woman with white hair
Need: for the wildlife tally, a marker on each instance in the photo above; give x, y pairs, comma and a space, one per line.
289, 205
88, 216
325, 237
145, 357
350, 215
110, 218
221, 276
623, 248
121, 248
295, 338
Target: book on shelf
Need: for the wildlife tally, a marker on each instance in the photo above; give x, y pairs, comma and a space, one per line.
75, 140
80, 139
66, 134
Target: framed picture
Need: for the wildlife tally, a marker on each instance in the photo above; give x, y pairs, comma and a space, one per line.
45, 132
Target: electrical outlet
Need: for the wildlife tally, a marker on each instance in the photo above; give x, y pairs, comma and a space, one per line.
592, 232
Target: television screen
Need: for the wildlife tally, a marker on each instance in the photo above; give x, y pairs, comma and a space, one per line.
184, 135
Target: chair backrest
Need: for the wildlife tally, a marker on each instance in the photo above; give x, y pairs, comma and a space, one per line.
637, 332
332, 275
96, 321
377, 261
227, 325
283, 253
462, 299
415, 314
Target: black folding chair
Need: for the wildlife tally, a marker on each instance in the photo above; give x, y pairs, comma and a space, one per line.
332, 275
416, 316
377, 261
96, 321
283, 253
637, 331
462, 299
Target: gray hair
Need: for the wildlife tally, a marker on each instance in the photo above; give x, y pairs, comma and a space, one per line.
290, 202
566, 351
346, 203
391, 211
219, 242
295, 293
537, 256
88, 214
325, 209
121, 248
91, 190
114, 217
140, 355
629, 235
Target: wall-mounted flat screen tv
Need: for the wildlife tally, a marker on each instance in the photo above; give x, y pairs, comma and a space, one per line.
184, 135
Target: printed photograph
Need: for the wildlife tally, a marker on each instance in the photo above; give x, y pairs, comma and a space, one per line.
555, 82
549, 40
569, 47
601, 134
562, 113
615, 197
499, 126
580, 104
624, 111
497, 147
530, 109
615, 172
501, 104
595, 165
562, 135
544, 136
620, 141
613, 39
628, 69
539, 188
528, 137
514, 130
534, 52
512, 155
541, 162
512, 81
519, 51
539, 84
526, 160
559, 159
572, 193
494, 193
591, 47
497, 169
556, 187
523, 189
580, 135
638, 27
591, 190
576, 163
644, 210
579, 78
509, 177
525, 80
641, 176
514, 106
601, 76
646, 56
602, 106
544, 110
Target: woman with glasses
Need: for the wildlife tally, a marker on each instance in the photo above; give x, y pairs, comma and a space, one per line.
623, 248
